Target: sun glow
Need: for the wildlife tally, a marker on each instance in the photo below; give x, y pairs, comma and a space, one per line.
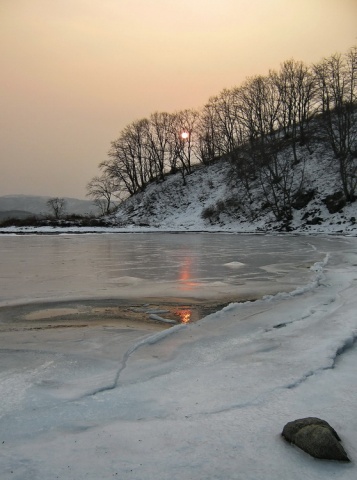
185, 135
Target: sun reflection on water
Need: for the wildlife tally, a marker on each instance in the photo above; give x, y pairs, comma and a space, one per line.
185, 275
184, 314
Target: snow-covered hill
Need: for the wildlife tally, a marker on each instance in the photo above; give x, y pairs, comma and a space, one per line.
213, 200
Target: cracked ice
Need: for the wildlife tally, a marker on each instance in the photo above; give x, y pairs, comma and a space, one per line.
198, 401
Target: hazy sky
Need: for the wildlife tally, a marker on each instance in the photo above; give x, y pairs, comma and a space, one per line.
75, 72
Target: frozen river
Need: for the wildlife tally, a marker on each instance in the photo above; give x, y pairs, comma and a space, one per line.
123, 398
234, 267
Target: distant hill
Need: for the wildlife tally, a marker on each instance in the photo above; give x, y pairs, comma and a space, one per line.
21, 206
21, 214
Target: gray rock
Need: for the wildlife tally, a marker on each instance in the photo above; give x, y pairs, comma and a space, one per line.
292, 428
315, 437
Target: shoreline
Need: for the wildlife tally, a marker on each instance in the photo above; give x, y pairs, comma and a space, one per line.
243, 229
157, 313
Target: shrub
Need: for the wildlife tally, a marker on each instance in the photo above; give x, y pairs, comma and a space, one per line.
208, 213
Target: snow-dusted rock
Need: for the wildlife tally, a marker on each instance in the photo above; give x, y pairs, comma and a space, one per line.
315, 437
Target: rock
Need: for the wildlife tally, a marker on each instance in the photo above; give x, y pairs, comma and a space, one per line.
292, 428
315, 437
318, 441
335, 202
302, 199
315, 221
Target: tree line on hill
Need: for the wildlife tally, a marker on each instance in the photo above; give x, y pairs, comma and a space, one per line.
253, 125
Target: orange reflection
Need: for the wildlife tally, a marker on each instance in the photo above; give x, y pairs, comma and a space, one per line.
184, 314
185, 275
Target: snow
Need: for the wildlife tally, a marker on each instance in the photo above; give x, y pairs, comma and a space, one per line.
172, 207
196, 401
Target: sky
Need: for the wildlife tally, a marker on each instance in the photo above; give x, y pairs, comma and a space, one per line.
74, 73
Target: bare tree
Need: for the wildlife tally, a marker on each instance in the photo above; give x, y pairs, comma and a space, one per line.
102, 190
184, 140
260, 102
296, 87
129, 159
134, 139
57, 206
160, 150
120, 167
281, 181
221, 130
337, 93
207, 145
252, 125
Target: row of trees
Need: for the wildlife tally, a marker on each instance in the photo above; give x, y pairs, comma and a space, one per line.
251, 125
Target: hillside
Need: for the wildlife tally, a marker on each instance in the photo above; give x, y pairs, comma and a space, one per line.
20, 214
36, 205
214, 200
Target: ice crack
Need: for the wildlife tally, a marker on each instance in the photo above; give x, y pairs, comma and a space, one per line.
149, 340
347, 344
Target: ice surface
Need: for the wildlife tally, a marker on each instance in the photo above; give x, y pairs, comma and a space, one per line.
198, 401
36, 268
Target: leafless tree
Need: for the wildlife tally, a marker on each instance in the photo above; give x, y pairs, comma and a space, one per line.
135, 143
261, 103
260, 109
221, 130
184, 140
296, 87
159, 145
281, 181
57, 206
207, 139
128, 163
102, 190
336, 77
253, 125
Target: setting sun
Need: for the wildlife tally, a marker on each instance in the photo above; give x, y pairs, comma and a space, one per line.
185, 135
